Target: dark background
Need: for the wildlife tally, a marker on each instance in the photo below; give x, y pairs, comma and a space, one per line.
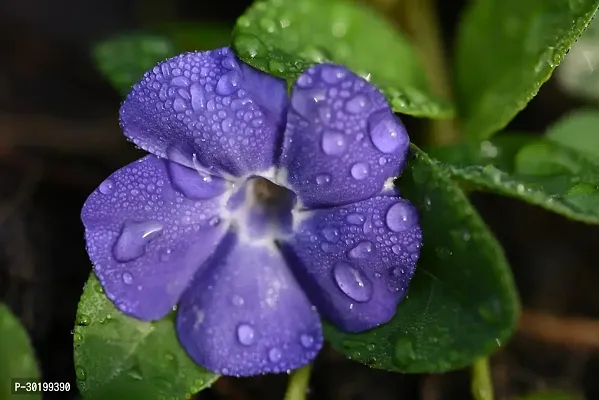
59, 138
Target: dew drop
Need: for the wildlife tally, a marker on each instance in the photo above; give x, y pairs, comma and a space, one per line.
198, 97
401, 217
133, 238
228, 83
357, 104
127, 278
363, 249
274, 355
248, 45
180, 81
80, 373
83, 320
355, 219
77, 338
245, 334
396, 249
307, 340
333, 143
107, 186
179, 105
237, 300
386, 133
331, 234
275, 66
359, 171
332, 75
352, 282
323, 179
305, 101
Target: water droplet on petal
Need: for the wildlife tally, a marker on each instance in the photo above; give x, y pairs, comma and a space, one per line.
198, 97
323, 179
228, 83
133, 238
386, 133
305, 101
401, 217
237, 300
127, 278
274, 355
333, 143
107, 186
245, 334
307, 340
357, 104
355, 219
359, 171
332, 75
353, 282
363, 249
331, 234
396, 249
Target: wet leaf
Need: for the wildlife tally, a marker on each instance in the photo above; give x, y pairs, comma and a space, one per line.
506, 50
284, 37
538, 171
461, 304
117, 356
17, 360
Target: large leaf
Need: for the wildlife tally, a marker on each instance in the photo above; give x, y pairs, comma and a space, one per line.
119, 357
506, 50
284, 37
539, 171
461, 304
17, 360
124, 59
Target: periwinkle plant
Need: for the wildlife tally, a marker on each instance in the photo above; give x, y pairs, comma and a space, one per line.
267, 216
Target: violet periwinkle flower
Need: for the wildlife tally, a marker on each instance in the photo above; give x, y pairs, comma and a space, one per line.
255, 212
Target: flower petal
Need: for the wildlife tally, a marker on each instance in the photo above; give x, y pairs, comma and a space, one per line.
246, 314
146, 238
342, 141
230, 113
355, 261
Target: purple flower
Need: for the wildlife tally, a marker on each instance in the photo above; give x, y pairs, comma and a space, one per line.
255, 212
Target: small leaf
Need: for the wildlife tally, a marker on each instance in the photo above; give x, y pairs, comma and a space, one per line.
578, 74
539, 171
284, 37
17, 360
117, 356
578, 130
506, 50
461, 303
124, 59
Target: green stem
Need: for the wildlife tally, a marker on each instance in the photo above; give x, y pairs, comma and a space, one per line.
420, 19
482, 383
297, 386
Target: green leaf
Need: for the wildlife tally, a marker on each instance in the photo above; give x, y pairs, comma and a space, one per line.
124, 59
539, 171
506, 50
578, 130
17, 360
117, 356
284, 37
461, 303
578, 74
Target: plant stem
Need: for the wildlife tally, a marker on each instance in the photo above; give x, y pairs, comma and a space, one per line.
298, 383
419, 18
482, 383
